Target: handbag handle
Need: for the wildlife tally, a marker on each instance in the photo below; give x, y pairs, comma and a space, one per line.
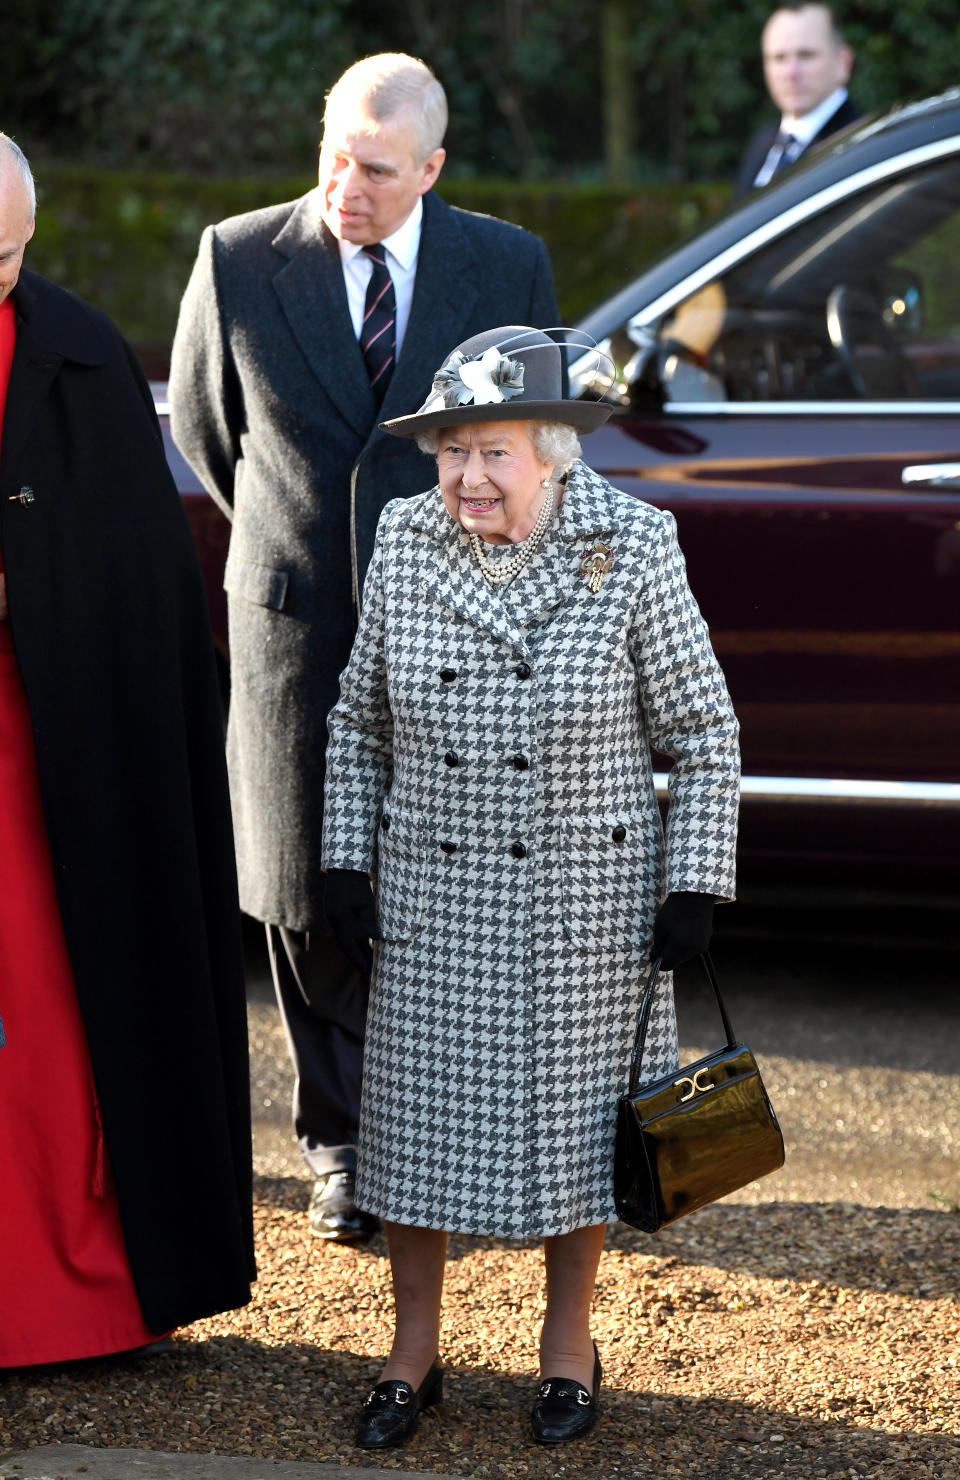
646, 1006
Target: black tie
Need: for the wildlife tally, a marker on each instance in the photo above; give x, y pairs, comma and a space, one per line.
378, 334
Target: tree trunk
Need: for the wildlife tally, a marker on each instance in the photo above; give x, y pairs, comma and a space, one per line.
619, 95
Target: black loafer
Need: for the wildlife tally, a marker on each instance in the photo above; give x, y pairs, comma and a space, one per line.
333, 1212
392, 1411
564, 1409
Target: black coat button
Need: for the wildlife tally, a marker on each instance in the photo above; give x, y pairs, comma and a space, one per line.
451, 758
385, 823
618, 834
521, 763
448, 674
449, 847
518, 850
523, 670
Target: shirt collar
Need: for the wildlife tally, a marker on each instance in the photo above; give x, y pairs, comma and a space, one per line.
403, 244
806, 128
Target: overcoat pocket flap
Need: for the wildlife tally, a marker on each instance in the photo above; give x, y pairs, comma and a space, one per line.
260, 584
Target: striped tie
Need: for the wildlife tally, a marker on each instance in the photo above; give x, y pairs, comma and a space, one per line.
378, 336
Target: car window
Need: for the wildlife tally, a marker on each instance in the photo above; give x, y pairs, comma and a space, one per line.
861, 302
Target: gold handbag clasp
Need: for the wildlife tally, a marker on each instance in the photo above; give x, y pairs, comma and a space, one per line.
695, 1086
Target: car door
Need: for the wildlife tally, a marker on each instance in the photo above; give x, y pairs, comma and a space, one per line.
809, 445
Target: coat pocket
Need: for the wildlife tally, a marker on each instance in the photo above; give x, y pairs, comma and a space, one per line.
259, 584
400, 881
610, 869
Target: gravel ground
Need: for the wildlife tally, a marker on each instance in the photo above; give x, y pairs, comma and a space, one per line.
785, 1333
767, 1340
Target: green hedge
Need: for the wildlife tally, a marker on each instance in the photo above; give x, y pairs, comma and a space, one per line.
127, 241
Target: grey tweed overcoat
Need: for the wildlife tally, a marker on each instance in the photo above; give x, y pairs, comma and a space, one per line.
489, 762
272, 405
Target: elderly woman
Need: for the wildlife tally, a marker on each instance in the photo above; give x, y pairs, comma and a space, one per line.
527, 635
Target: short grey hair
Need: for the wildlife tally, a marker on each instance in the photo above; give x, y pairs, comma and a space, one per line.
389, 84
553, 442
26, 174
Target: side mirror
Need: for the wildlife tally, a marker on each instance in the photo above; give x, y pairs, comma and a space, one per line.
639, 347
622, 371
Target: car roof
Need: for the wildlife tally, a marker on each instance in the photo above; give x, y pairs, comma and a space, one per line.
870, 141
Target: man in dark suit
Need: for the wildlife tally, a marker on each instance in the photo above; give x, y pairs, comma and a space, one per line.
303, 326
806, 64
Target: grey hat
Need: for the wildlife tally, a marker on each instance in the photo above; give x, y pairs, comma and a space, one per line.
513, 373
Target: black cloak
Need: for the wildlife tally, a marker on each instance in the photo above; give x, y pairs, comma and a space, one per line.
112, 638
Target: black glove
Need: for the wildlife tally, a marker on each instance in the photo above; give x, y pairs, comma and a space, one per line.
351, 914
682, 928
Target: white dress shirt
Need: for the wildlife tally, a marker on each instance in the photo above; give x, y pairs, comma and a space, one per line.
806, 128
401, 247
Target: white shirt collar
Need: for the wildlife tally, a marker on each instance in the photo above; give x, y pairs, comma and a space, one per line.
402, 244
806, 128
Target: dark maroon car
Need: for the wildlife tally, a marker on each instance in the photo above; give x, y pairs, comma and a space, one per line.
788, 383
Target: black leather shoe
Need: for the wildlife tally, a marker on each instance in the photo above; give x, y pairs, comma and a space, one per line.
392, 1411
564, 1409
333, 1213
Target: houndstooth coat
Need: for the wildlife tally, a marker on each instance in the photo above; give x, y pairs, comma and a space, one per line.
489, 764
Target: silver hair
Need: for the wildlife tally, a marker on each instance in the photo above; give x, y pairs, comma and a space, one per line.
552, 441
26, 174
389, 84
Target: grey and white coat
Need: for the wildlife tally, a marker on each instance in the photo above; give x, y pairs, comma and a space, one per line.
489, 763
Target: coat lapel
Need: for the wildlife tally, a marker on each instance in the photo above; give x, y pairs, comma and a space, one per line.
553, 576
43, 343
313, 296
452, 577
444, 294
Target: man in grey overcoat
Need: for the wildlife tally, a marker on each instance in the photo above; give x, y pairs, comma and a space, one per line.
302, 327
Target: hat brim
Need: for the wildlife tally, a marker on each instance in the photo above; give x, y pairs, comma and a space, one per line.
584, 416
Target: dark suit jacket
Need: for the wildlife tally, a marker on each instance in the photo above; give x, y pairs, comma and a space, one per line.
109, 620
759, 146
271, 404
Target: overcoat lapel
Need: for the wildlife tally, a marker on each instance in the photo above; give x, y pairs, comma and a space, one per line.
31, 375
43, 343
313, 296
444, 293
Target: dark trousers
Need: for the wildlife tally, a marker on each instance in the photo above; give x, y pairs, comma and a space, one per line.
323, 1004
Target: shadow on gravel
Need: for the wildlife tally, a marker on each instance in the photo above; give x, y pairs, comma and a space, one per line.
900, 1251
836, 1004
233, 1396
908, 1252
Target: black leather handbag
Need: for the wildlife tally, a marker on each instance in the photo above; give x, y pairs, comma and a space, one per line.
694, 1136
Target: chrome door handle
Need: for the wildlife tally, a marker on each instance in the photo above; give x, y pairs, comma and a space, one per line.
943, 475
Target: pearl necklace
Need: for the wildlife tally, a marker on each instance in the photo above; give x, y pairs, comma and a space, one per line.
499, 572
